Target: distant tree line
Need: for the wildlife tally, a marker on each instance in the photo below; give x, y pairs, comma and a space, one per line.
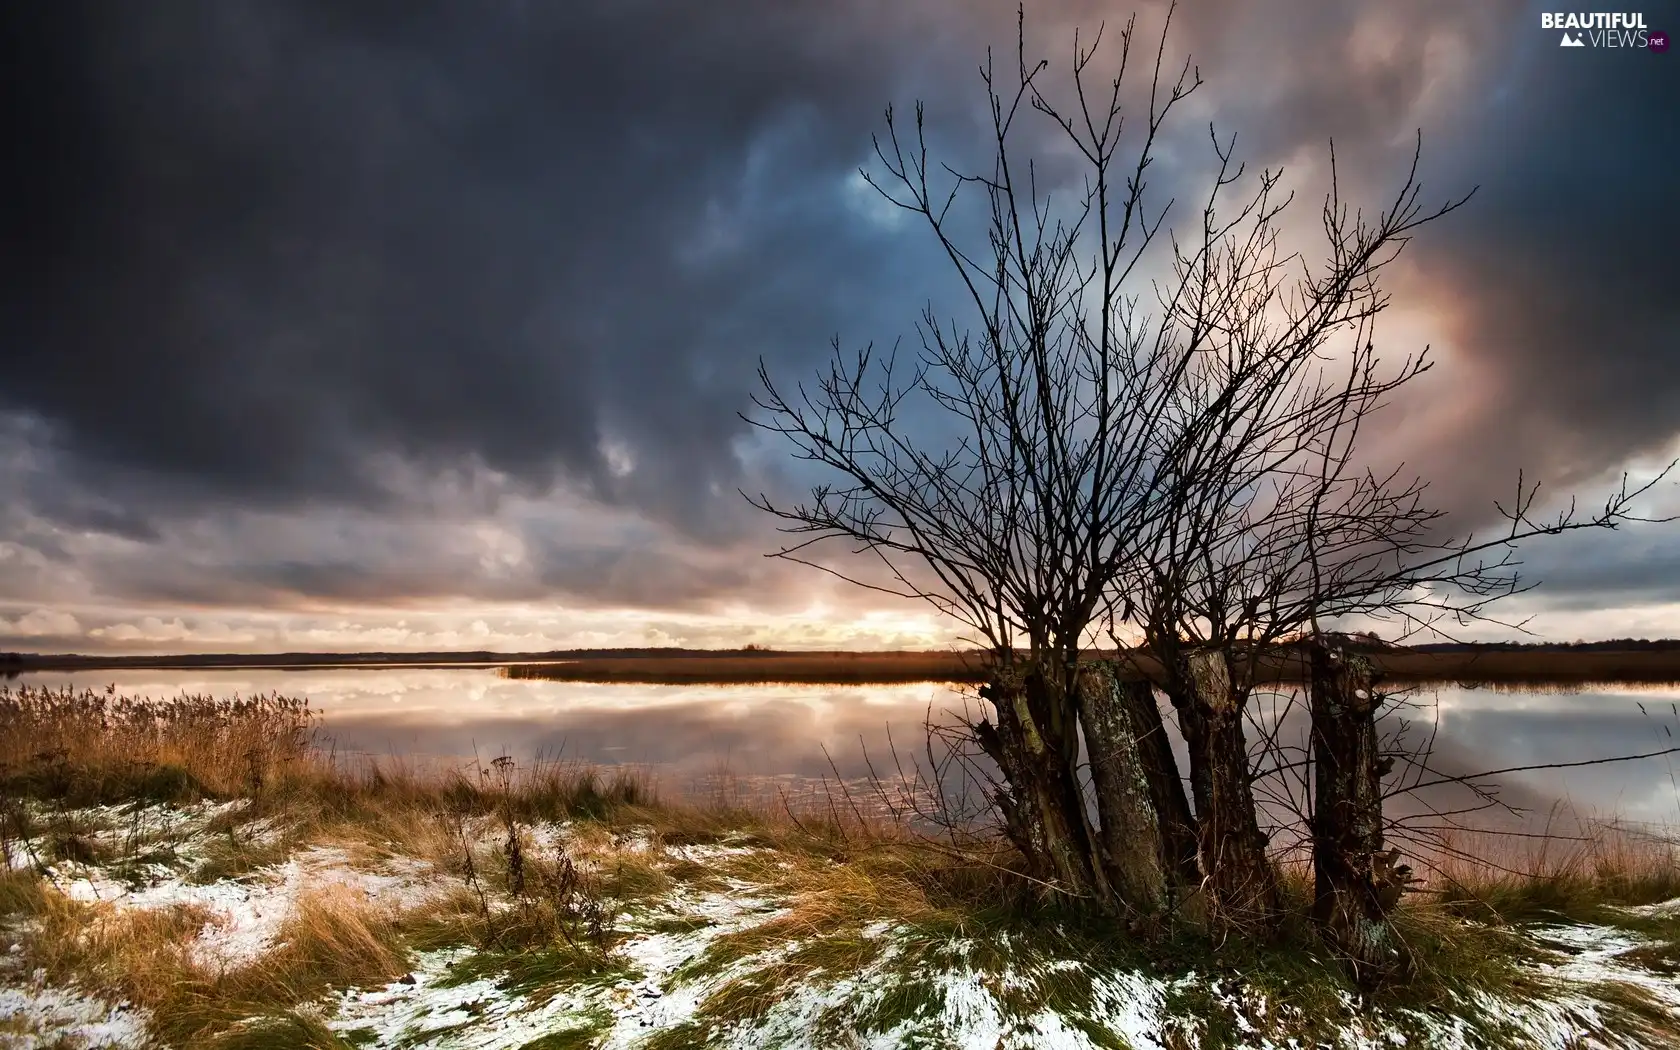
1610, 645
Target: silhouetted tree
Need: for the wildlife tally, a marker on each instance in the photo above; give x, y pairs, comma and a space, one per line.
1187, 473
1022, 526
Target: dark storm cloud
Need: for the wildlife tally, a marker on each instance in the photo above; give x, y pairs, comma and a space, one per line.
1554, 295
293, 258
1559, 287
252, 244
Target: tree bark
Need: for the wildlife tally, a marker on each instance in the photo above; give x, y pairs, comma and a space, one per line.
1240, 883
1129, 832
1041, 803
1166, 786
1356, 882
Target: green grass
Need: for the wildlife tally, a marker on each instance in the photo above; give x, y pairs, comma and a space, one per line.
228, 857
540, 973
584, 1037
282, 1031
684, 1036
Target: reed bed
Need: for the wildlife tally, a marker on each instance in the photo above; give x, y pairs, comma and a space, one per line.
87, 747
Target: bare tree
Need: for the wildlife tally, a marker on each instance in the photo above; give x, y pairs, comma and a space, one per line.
1279, 531
1191, 477
1257, 409
1021, 528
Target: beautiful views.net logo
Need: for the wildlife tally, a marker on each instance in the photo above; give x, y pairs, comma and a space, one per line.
1604, 29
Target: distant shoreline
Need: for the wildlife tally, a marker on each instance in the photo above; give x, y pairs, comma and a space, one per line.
1628, 660
27, 662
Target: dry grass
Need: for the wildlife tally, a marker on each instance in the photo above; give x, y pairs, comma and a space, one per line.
332, 938
1484, 666
87, 747
1525, 667
1533, 667
1562, 877
74, 749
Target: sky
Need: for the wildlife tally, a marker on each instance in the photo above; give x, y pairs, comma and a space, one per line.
428, 325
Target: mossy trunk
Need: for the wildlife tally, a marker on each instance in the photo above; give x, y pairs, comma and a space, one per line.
1129, 832
1166, 786
1042, 806
1241, 885
1356, 882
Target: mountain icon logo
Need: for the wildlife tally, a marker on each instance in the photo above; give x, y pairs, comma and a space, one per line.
1571, 40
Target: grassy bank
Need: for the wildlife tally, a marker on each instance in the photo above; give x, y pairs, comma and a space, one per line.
234, 884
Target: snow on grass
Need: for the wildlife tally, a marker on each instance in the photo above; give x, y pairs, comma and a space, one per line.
710, 854
427, 1009
1660, 910
660, 999
35, 1015
1133, 1006
654, 985
966, 1013
248, 913
148, 836
1135, 1009
153, 851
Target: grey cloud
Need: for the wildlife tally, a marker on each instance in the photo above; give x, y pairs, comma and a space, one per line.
311, 259
1558, 288
262, 241
1586, 572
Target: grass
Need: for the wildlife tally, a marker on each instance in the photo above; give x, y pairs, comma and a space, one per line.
330, 939
841, 896
289, 1030
1578, 878
87, 748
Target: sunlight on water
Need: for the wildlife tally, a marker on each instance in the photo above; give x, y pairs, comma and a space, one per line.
780, 734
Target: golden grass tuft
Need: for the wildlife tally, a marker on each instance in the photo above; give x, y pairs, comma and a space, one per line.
334, 938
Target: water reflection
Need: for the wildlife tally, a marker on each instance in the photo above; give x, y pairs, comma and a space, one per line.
689, 735
798, 735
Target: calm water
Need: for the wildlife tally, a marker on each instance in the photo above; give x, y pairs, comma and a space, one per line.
691, 736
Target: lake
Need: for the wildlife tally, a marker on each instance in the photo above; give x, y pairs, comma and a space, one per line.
766, 739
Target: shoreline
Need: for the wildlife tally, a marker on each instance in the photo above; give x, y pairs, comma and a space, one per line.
1490, 664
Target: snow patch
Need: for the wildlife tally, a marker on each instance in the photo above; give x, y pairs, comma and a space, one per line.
36, 1015
406, 1013
247, 914
419, 1010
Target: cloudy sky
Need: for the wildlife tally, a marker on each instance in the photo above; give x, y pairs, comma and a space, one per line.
425, 325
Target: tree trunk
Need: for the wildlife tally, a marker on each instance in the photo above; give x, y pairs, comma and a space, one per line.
1132, 851
1041, 804
1356, 883
1166, 787
1240, 882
